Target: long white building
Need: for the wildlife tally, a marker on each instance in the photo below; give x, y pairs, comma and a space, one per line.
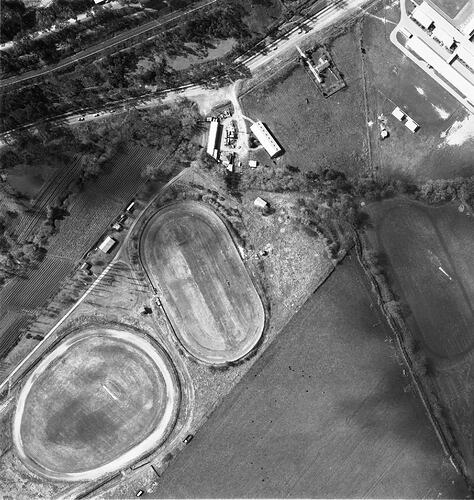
212, 138
265, 138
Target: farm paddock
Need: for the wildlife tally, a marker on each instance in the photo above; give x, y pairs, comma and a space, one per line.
394, 80
416, 240
316, 131
322, 414
207, 292
101, 399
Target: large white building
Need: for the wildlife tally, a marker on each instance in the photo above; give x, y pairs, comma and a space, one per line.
213, 136
265, 138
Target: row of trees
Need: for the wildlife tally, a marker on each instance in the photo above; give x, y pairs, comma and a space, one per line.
122, 76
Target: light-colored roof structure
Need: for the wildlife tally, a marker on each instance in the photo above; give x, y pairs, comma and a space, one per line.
421, 16
260, 202
212, 139
265, 138
466, 55
443, 36
411, 124
107, 244
468, 29
405, 32
398, 113
444, 69
253, 163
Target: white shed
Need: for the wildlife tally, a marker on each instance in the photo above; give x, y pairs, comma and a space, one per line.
260, 202
398, 114
411, 125
107, 244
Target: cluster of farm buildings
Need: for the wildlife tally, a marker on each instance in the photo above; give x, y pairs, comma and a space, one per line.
259, 130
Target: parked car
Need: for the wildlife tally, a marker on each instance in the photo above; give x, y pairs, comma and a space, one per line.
188, 439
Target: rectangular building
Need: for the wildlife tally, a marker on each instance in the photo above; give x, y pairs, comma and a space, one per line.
260, 202
444, 37
420, 15
398, 114
411, 125
463, 86
266, 139
213, 137
107, 244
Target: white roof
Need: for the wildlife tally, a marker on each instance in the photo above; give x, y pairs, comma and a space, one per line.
455, 79
421, 16
260, 202
405, 32
466, 55
265, 138
253, 163
107, 244
468, 29
443, 36
411, 124
211, 141
398, 113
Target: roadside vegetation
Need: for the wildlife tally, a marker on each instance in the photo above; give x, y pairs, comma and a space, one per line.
95, 145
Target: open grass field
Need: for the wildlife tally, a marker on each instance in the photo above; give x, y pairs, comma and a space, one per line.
417, 241
322, 414
315, 131
394, 80
98, 401
208, 295
450, 7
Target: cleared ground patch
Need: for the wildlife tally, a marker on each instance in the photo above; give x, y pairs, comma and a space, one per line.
100, 400
418, 241
208, 295
322, 414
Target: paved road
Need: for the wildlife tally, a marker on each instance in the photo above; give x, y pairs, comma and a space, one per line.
330, 14
102, 46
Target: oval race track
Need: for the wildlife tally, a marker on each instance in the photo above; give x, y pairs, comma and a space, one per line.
207, 292
95, 404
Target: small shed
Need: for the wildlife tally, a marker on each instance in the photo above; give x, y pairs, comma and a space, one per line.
405, 32
260, 202
107, 245
253, 163
411, 125
131, 207
85, 267
398, 114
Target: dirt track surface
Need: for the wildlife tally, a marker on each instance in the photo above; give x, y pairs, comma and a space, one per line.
101, 399
322, 414
206, 290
